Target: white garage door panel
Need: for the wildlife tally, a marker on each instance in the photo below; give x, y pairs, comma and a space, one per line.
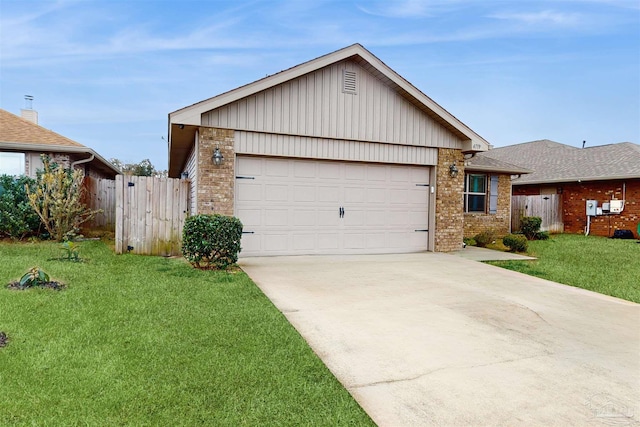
292, 206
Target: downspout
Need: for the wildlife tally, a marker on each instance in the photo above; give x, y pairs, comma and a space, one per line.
79, 162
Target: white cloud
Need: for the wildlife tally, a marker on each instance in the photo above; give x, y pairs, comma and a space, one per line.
542, 17
399, 8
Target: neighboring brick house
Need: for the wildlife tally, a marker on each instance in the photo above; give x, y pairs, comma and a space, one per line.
22, 141
487, 195
601, 173
338, 155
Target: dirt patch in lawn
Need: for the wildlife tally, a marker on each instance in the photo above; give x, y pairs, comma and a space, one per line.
3, 339
56, 286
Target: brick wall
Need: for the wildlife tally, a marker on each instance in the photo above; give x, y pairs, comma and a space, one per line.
449, 203
64, 160
215, 183
526, 190
500, 222
574, 200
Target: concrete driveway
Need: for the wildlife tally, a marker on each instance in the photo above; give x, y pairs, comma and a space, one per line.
435, 339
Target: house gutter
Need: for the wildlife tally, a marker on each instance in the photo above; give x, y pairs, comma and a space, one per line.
577, 180
45, 148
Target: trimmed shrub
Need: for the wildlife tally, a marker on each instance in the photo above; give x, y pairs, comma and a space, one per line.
17, 217
515, 242
530, 226
211, 241
542, 235
484, 238
469, 241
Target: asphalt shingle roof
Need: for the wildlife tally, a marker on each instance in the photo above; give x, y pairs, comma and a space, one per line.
488, 164
18, 130
555, 162
17, 133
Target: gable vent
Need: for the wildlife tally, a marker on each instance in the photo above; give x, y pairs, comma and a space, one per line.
349, 82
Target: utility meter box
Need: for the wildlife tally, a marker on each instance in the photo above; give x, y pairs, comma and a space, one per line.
592, 207
616, 206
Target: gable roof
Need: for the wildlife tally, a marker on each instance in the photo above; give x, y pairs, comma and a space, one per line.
555, 162
488, 164
18, 134
191, 115
18, 130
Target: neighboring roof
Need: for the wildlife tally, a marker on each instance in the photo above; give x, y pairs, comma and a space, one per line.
17, 129
18, 134
555, 162
191, 115
487, 164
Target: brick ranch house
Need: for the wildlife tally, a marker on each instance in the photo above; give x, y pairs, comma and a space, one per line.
487, 195
338, 155
605, 174
22, 141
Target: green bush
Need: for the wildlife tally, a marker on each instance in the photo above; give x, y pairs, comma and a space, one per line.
542, 235
17, 217
469, 241
530, 226
211, 241
515, 242
484, 238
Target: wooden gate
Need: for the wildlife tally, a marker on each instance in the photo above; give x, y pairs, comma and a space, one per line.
150, 214
546, 206
101, 194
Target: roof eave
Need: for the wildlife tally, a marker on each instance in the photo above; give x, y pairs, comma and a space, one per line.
192, 114
510, 171
573, 180
21, 146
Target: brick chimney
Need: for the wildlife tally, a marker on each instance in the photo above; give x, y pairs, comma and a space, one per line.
28, 113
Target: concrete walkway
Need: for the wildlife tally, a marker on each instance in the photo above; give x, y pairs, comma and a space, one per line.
433, 339
475, 253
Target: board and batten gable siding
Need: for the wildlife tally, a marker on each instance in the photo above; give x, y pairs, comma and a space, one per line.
191, 167
332, 149
315, 105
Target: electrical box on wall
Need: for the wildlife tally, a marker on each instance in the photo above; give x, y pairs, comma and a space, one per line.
616, 206
592, 207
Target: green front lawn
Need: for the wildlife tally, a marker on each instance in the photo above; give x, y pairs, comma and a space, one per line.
607, 266
141, 341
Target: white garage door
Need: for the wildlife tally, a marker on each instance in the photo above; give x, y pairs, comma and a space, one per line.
295, 207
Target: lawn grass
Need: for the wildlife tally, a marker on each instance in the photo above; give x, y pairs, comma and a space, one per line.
607, 266
137, 340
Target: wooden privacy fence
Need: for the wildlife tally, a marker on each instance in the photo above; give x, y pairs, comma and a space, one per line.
150, 214
547, 206
101, 194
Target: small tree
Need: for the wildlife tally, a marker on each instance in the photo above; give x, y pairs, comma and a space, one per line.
56, 199
144, 168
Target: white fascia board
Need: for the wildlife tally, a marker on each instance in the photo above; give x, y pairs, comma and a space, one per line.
428, 102
193, 114
46, 148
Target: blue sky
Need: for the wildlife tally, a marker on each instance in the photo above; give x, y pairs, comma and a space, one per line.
107, 73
